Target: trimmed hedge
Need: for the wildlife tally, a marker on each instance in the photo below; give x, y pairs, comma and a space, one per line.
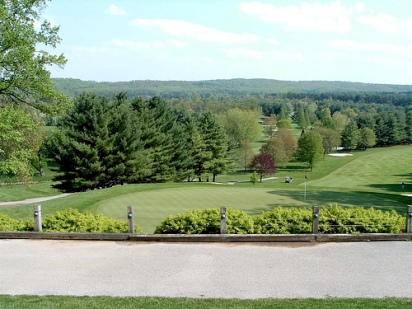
280, 220
9, 224
206, 221
69, 220
351, 220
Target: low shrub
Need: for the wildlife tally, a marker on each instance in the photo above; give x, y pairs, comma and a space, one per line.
337, 220
206, 221
282, 220
69, 220
333, 219
9, 224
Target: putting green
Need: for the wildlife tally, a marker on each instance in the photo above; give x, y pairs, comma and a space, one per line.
151, 207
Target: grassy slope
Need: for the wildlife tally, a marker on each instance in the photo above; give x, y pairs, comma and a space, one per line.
368, 178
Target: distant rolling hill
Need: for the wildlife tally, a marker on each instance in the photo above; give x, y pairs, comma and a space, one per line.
230, 87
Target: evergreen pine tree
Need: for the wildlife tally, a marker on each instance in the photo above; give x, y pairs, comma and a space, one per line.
214, 145
98, 145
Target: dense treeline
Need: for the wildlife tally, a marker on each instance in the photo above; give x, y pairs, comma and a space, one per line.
391, 124
223, 87
101, 143
367, 97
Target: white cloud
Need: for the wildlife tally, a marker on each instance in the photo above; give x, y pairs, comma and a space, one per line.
256, 54
387, 23
273, 42
241, 52
369, 46
115, 11
137, 46
329, 17
177, 43
196, 32
84, 52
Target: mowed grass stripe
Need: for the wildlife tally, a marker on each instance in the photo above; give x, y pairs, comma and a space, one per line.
381, 170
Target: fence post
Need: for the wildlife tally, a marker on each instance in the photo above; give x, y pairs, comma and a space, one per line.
409, 219
37, 218
130, 218
315, 219
223, 220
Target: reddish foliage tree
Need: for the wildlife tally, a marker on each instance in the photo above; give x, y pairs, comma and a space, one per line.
263, 164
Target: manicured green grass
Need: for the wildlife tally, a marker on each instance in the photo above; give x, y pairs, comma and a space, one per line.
381, 171
152, 207
41, 186
102, 302
369, 178
13, 192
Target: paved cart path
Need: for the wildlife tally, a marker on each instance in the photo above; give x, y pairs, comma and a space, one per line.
44, 267
34, 200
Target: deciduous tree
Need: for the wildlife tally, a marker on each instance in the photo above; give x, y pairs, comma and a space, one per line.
310, 149
18, 141
240, 125
263, 164
24, 78
245, 154
282, 146
269, 125
350, 136
330, 138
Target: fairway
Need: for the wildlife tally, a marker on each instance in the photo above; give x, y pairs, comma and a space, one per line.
381, 170
369, 178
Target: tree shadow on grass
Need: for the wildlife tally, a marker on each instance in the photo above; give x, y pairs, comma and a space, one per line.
292, 168
398, 188
325, 198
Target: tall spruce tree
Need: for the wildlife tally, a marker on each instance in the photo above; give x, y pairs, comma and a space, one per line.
214, 145
301, 119
165, 138
98, 145
409, 127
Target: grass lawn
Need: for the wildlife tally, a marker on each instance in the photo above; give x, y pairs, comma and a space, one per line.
369, 178
102, 302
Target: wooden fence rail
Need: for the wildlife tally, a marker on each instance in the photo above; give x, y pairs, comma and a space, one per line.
223, 217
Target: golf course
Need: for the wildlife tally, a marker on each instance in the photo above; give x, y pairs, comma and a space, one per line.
371, 178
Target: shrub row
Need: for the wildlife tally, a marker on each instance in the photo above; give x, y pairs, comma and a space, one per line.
280, 220
69, 220
206, 221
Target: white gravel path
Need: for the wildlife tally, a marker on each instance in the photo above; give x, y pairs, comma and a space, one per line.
246, 271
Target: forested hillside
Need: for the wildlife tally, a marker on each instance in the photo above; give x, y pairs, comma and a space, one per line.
229, 87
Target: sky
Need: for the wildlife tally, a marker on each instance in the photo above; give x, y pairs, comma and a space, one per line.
366, 41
